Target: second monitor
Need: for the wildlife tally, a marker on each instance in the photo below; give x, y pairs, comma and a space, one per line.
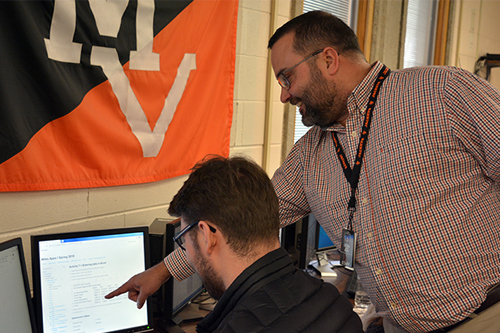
16, 309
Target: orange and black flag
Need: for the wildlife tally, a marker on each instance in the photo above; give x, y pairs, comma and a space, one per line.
101, 93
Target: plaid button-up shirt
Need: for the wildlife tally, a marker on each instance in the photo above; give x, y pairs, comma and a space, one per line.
428, 212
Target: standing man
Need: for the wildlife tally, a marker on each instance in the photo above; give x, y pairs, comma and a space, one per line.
230, 218
405, 165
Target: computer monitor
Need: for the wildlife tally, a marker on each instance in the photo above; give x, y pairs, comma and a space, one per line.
72, 272
176, 294
304, 240
288, 240
299, 240
308, 241
16, 308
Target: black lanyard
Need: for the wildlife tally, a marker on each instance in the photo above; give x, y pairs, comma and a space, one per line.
352, 175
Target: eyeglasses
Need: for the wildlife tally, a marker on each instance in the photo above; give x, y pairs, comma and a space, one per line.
178, 238
283, 80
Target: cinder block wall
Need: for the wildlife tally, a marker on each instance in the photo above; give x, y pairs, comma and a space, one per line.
476, 33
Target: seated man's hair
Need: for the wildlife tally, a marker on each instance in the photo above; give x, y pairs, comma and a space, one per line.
236, 195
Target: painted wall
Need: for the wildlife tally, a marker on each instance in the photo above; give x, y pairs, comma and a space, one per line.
475, 33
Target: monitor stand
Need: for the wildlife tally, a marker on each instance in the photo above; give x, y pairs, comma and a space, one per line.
324, 270
186, 319
172, 326
323, 266
187, 314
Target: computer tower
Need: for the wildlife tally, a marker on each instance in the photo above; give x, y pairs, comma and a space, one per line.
158, 244
174, 295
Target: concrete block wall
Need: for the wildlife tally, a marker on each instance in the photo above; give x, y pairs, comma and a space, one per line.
488, 36
23, 214
476, 28
249, 118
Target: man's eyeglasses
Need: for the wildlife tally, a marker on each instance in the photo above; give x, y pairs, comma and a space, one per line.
178, 238
283, 80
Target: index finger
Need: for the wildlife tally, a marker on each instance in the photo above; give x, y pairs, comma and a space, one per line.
123, 289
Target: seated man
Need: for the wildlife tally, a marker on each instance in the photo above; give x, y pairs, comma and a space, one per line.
229, 215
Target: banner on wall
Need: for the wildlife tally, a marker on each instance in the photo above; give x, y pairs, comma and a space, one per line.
102, 93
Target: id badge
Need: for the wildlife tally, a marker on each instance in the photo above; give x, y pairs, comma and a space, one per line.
348, 248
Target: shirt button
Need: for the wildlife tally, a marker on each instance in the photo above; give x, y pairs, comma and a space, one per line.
378, 271
364, 200
369, 235
394, 305
354, 134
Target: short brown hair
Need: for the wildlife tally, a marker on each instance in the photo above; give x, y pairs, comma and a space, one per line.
316, 30
236, 195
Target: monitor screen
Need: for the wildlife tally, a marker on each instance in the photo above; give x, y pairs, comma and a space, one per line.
72, 272
324, 242
16, 309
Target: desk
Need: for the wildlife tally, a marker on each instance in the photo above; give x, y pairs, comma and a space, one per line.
341, 280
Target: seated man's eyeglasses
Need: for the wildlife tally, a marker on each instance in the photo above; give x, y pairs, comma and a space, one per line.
178, 238
283, 80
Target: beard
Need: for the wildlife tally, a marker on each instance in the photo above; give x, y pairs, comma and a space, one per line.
211, 281
322, 104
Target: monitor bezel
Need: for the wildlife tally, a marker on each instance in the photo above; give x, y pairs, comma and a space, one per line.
17, 242
35, 259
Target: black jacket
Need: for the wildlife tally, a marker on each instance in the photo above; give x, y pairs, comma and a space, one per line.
273, 296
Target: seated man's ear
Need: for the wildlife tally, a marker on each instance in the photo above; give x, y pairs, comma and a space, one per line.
208, 238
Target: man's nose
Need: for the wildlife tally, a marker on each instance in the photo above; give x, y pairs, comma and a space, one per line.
285, 95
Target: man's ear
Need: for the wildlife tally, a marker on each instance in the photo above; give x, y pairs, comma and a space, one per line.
209, 239
331, 58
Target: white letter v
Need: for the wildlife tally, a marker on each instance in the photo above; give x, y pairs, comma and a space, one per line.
151, 141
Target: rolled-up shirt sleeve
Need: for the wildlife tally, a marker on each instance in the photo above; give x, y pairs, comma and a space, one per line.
178, 265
